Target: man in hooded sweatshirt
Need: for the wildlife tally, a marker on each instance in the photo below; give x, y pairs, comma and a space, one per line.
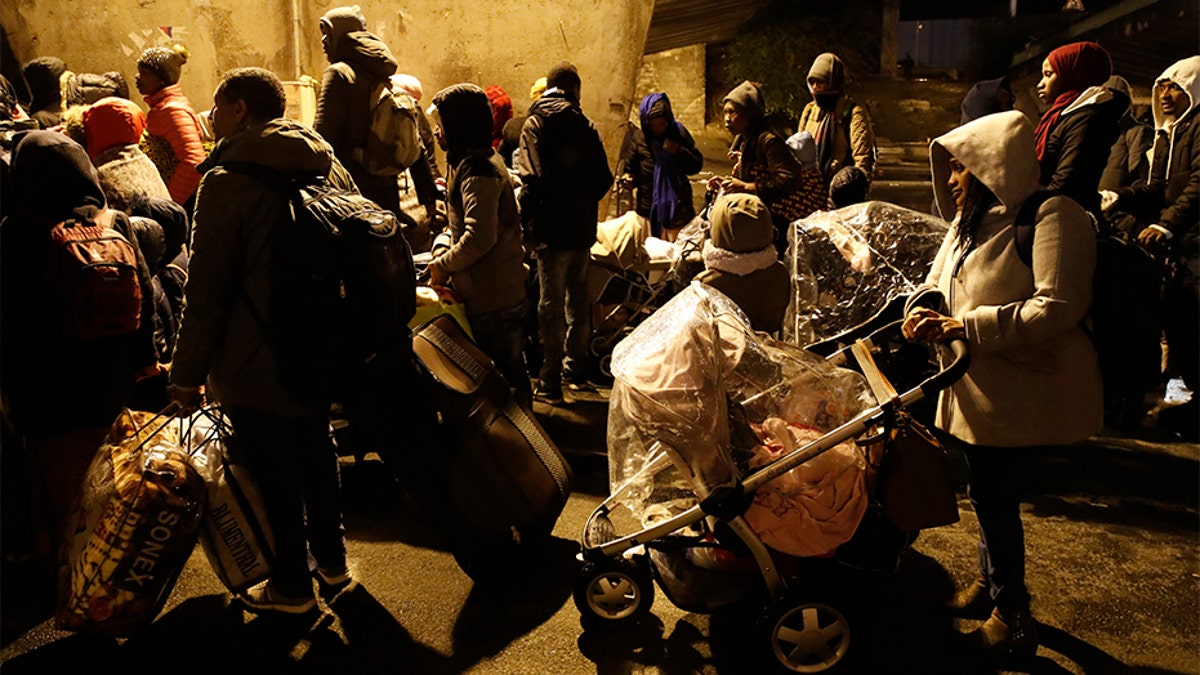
841, 127
222, 344
564, 172
1168, 203
358, 62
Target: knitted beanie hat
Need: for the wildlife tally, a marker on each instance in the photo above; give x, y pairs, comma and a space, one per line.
741, 223
165, 62
829, 69
748, 97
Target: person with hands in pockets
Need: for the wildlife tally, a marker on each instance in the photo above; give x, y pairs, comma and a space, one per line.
1033, 378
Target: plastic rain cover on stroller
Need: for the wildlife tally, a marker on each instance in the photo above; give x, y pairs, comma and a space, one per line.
847, 264
699, 399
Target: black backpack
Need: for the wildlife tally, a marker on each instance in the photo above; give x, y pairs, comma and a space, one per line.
343, 284
1126, 324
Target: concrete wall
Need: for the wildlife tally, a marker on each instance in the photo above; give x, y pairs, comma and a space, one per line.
680, 73
505, 42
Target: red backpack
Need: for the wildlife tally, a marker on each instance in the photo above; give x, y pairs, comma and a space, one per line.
93, 274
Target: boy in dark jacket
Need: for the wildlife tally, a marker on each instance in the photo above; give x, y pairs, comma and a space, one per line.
564, 172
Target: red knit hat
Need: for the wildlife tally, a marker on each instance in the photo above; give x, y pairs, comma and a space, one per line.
501, 111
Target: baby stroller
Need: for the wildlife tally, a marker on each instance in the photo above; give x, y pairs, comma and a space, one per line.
630, 277
695, 392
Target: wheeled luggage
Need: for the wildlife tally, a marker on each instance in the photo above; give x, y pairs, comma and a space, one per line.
496, 483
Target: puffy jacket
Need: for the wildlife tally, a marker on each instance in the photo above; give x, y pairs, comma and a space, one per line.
852, 145
1078, 146
172, 118
564, 172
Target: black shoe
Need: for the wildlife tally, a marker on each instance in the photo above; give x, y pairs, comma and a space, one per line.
577, 382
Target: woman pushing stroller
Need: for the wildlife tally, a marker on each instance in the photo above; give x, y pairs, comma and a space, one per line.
1033, 378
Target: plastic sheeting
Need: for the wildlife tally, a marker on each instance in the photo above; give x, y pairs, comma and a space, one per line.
846, 265
690, 382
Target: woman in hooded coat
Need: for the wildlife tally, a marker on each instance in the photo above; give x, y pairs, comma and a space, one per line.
763, 163
1078, 129
112, 128
661, 157
1033, 379
481, 252
60, 394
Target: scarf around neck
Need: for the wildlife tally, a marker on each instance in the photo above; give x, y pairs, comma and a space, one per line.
740, 264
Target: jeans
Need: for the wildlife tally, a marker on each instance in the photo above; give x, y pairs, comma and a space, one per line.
296, 466
564, 313
501, 335
995, 486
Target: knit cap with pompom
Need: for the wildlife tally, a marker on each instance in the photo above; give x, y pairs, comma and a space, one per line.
165, 62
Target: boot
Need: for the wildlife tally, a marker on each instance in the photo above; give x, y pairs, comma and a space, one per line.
972, 602
1010, 633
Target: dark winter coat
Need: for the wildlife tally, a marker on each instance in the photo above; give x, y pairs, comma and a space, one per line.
1078, 146
52, 385
640, 165
564, 171
220, 341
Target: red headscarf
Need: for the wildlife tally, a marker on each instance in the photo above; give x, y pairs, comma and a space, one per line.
501, 111
1078, 65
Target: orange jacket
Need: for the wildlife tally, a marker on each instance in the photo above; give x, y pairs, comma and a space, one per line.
171, 116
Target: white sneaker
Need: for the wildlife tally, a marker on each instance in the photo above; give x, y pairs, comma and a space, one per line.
266, 598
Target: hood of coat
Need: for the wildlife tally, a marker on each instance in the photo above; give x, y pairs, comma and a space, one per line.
151, 241
368, 54
748, 97
985, 99
340, 21
52, 177
553, 103
282, 145
43, 75
997, 149
112, 121
1186, 74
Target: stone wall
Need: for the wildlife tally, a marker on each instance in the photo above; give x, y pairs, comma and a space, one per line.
505, 42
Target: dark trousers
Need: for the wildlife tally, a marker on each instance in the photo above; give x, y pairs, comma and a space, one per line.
296, 466
995, 486
501, 335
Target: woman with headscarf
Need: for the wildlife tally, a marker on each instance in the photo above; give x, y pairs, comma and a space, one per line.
1033, 378
659, 160
61, 393
841, 127
763, 163
112, 128
1078, 129
173, 129
481, 253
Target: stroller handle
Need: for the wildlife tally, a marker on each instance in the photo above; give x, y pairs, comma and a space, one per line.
951, 373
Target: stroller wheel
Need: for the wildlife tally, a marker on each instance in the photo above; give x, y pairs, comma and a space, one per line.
599, 346
612, 593
605, 366
809, 636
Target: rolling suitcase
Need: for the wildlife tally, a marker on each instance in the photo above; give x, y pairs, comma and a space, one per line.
502, 481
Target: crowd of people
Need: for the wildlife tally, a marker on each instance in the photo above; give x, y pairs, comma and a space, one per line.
521, 196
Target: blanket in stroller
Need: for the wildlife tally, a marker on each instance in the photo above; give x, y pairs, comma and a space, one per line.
695, 383
846, 264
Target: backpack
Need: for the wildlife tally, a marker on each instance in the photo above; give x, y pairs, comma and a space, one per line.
1126, 324
394, 138
93, 271
342, 284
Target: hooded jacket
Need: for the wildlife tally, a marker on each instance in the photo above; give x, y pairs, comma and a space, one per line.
765, 159
43, 76
1033, 378
564, 172
984, 99
1171, 196
219, 339
642, 154
854, 140
172, 118
485, 257
113, 126
1078, 145
740, 261
53, 181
